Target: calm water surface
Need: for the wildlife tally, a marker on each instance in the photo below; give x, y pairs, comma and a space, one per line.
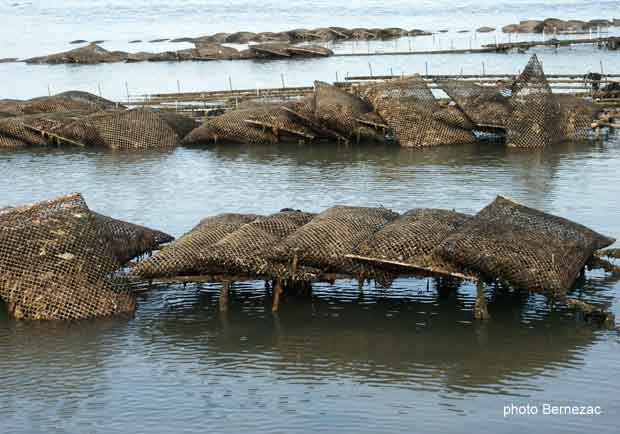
407, 359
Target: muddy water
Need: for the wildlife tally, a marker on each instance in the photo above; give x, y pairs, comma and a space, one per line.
341, 360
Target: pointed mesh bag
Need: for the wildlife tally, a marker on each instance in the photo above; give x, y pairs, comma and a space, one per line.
53, 264
128, 240
535, 119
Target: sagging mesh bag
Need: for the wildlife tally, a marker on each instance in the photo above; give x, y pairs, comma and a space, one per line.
182, 257
411, 240
128, 240
231, 126
339, 110
535, 119
485, 106
132, 129
53, 264
246, 250
277, 119
303, 111
408, 107
523, 246
334, 233
47, 104
181, 124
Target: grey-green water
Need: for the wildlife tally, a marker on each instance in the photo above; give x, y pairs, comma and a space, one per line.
382, 361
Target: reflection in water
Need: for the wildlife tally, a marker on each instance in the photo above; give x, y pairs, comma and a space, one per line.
379, 361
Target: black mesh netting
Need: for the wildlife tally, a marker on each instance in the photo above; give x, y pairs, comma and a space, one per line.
129, 240
486, 106
246, 250
132, 129
53, 264
334, 233
535, 119
409, 108
523, 246
182, 257
411, 240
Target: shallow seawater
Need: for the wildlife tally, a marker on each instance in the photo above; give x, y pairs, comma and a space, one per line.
341, 360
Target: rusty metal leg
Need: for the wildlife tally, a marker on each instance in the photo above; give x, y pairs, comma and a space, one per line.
277, 292
224, 296
480, 309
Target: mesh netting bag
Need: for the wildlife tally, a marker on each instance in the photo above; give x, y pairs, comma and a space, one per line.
15, 134
523, 246
53, 264
303, 112
46, 104
334, 233
231, 126
245, 250
576, 117
182, 257
408, 107
132, 129
535, 119
339, 110
278, 119
181, 124
411, 240
486, 106
128, 240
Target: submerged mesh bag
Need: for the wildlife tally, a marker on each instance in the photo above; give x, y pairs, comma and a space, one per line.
576, 117
128, 240
339, 110
525, 247
133, 129
535, 117
245, 250
231, 126
182, 257
408, 108
15, 134
278, 119
334, 233
46, 104
181, 124
486, 106
54, 266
